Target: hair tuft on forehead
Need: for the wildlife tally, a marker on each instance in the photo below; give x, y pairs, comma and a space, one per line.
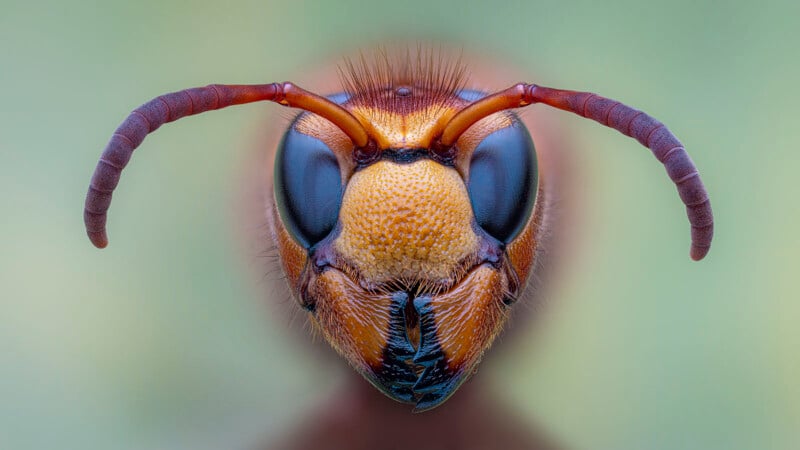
432, 76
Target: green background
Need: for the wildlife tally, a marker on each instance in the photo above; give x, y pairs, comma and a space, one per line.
163, 340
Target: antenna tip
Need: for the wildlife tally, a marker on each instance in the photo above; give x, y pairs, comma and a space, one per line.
698, 253
98, 238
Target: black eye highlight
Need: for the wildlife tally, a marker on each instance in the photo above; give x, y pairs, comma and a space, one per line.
503, 179
308, 187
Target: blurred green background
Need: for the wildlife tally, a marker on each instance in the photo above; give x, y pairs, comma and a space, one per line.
163, 340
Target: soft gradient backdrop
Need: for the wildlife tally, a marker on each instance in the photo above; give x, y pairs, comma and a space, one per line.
163, 341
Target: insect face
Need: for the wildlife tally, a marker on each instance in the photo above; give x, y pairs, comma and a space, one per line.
403, 267
407, 210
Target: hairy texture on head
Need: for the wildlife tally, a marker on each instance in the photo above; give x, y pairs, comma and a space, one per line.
433, 77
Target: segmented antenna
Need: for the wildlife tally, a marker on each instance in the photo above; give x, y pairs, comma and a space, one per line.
631, 122
170, 107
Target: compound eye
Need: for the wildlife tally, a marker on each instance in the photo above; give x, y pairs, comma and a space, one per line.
503, 179
308, 187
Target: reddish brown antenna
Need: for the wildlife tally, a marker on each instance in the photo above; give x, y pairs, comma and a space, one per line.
631, 122
170, 107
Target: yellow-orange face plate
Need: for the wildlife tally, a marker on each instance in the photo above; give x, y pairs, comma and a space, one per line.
406, 222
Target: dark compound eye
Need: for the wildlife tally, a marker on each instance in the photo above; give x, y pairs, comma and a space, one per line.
308, 187
503, 178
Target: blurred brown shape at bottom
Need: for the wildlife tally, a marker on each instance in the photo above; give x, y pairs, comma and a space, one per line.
359, 417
